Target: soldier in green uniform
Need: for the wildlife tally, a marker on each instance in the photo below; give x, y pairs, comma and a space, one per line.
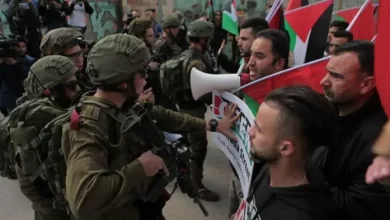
181, 37
57, 74
68, 42
166, 46
143, 29
199, 35
108, 165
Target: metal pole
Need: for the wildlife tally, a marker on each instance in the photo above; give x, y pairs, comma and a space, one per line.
159, 4
340, 4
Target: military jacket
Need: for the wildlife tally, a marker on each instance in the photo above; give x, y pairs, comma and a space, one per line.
104, 177
166, 49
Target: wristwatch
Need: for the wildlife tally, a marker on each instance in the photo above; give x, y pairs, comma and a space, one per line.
213, 123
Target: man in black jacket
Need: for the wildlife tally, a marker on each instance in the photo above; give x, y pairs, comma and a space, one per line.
291, 123
350, 86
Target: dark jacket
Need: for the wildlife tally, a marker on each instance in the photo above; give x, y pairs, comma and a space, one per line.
52, 17
347, 163
305, 202
11, 84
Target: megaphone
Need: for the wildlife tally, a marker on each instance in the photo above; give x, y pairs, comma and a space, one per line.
203, 83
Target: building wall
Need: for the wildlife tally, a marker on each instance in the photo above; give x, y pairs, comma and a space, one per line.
108, 14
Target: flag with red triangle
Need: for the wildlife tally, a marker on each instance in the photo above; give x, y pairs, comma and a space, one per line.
308, 28
275, 15
382, 47
346, 15
309, 74
363, 24
294, 4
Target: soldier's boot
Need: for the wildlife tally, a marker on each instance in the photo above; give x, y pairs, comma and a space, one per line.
197, 160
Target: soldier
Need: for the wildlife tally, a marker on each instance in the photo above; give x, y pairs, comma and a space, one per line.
166, 45
175, 75
107, 166
143, 29
70, 43
57, 74
181, 37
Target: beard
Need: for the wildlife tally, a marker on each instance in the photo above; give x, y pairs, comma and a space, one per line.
245, 53
329, 94
271, 157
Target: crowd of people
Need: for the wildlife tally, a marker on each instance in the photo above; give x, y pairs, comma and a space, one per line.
82, 147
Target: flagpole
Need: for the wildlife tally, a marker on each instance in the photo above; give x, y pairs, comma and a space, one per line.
279, 73
357, 15
340, 4
241, 68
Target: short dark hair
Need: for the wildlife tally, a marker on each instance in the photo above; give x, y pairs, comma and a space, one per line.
150, 9
340, 25
344, 34
364, 50
21, 39
280, 44
305, 114
257, 24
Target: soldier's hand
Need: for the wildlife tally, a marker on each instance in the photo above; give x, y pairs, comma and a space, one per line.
146, 96
153, 164
228, 120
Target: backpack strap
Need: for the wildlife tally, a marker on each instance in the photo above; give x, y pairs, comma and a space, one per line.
54, 156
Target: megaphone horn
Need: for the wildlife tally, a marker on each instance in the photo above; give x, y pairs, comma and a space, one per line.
203, 83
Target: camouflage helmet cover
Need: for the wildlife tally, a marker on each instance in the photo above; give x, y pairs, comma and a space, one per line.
201, 29
170, 21
139, 26
49, 72
179, 15
57, 41
116, 59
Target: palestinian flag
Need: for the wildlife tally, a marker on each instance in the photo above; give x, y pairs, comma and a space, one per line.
363, 24
346, 15
309, 74
229, 17
294, 4
308, 28
275, 16
382, 47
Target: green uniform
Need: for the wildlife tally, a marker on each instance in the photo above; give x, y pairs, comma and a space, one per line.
167, 48
197, 140
103, 180
48, 71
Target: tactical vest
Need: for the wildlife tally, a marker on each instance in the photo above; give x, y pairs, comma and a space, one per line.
34, 143
125, 136
174, 75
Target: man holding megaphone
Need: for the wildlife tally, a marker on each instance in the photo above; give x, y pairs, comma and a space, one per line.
269, 54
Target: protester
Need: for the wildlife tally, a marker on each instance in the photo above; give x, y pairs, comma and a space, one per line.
350, 86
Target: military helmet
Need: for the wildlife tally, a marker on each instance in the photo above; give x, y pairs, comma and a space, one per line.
179, 15
170, 21
57, 41
201, 29
138, 26
48, 72
116, 58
